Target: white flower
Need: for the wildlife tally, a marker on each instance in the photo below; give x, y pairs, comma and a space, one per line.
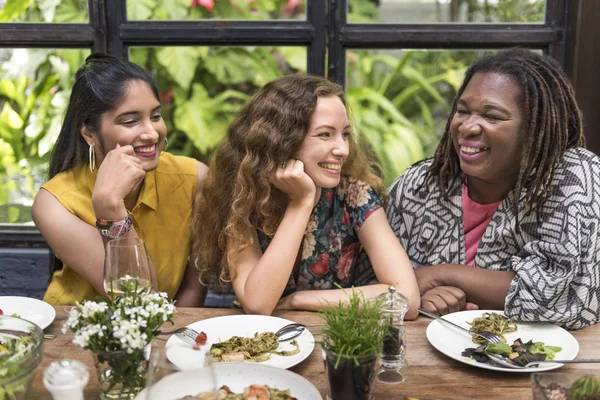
129, 323
72, 320
91, 308
82, 336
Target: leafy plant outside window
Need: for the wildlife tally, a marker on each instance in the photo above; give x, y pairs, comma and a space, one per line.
399, 100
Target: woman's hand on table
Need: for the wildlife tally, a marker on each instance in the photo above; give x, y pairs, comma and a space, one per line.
428, 278
443, 300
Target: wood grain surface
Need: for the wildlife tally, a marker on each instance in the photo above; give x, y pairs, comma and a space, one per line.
431, 374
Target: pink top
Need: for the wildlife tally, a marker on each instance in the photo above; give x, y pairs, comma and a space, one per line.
476, 218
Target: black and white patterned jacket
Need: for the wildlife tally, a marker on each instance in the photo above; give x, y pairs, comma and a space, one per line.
556, 259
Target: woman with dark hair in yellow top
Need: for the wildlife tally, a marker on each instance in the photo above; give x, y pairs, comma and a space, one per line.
109, 178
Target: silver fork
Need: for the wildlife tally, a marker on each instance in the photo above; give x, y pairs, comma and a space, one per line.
502, 361
188, 335
487, 335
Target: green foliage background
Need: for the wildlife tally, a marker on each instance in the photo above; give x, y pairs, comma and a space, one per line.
399, 100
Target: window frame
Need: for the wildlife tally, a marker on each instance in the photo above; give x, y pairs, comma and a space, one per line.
326, 36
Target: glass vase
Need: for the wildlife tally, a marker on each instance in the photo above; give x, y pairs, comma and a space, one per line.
350, 378
121, 375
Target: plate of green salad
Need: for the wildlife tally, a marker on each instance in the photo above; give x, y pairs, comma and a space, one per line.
40, 313
524, 341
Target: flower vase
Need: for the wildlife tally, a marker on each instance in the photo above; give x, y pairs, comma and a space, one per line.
121, 375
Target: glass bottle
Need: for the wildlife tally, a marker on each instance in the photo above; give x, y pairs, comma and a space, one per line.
66, 379
392, 363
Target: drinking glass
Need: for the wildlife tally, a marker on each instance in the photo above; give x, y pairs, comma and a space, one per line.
127, 263
166, 381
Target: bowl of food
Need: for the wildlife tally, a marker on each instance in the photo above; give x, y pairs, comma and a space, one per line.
21, 350
571, 385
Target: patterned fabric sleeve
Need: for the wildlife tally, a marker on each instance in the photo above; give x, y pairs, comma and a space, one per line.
557, 273
360, 202
394, 207
406, 204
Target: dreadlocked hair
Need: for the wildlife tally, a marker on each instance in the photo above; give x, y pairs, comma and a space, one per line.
238, 195
553, 124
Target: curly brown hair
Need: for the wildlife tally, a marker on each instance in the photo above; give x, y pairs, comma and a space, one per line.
553, 124
238, 194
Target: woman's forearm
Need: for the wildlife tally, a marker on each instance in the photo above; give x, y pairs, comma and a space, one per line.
267, 278
314, 300
483, 287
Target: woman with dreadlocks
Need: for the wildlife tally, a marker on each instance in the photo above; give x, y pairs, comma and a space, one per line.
506, 213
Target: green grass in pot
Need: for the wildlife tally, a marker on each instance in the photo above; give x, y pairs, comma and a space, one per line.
352, 328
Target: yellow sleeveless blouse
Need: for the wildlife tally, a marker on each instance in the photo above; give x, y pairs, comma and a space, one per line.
162, 217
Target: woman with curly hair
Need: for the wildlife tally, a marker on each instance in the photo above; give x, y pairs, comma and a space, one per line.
292, 203
505, 216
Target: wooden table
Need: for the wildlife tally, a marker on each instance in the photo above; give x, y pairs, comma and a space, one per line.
431, 375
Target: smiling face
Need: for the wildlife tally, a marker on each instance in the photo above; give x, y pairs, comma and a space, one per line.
488, 129
326, 145
136, 121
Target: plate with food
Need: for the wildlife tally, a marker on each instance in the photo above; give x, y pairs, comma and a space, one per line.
40, 313
240, 338
242, 379
525, 341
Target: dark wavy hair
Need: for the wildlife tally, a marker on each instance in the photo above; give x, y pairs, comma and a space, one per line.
100, 84
269, 129
553, 123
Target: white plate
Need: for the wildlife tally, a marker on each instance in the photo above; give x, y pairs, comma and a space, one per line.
40, 313
452, 341
235, 375
222, 328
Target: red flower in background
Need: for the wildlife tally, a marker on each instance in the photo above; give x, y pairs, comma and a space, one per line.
345, 262
291, 6
321, 267
166, 97
208, 4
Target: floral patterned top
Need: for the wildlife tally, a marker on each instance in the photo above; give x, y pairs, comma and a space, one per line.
331, 251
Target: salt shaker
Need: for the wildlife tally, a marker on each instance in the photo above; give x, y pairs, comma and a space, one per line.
66, 379
392, 364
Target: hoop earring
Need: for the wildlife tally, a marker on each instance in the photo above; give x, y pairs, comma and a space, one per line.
166, 144
92, 158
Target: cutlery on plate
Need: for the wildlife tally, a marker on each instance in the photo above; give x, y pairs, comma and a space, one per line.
288, 332
188, 335
498, 359
487, 335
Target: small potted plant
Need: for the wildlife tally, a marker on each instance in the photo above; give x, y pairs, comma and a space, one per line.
352, 342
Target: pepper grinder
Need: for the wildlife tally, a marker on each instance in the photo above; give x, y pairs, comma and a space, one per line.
392, 363
66, 379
